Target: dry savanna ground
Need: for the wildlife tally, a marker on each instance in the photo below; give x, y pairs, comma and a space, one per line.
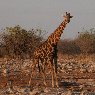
76, 73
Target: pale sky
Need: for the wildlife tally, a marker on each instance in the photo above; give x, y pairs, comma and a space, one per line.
48, 14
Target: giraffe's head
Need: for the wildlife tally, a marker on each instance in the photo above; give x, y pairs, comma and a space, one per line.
67, 17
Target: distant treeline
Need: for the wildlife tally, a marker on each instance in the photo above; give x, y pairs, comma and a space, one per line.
83, 44
18, 42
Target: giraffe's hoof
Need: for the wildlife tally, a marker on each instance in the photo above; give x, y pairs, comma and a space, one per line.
57, 86
45, 84
52, 86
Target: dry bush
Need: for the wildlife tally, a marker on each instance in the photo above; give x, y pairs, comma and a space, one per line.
86, 41
18, 42
68, 47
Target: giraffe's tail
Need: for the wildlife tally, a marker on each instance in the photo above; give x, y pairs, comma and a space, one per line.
39, 68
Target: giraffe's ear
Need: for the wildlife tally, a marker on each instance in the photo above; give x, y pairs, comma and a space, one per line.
71, 16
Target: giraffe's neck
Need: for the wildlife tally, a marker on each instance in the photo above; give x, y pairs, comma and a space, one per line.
55, 36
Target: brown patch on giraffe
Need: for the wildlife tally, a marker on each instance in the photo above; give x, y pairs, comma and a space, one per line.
45, 52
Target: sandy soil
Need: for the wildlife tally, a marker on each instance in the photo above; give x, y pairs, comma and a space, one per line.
76, 74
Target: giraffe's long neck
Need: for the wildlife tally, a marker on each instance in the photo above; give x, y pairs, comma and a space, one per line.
55, 36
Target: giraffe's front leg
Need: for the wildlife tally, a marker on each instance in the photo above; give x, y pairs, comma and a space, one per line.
55, 72
56, 78
57, 85
52, 77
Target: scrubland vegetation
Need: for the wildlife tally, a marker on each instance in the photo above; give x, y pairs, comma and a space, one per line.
18, 42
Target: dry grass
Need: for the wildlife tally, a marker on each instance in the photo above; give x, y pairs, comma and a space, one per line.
80, 57
22, 68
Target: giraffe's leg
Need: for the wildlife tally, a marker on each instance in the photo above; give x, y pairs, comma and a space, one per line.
55, 70
29, 84
55, 63
44, 78
56, 78
30, 80
43, 73
52, 71
52, 76
36, 61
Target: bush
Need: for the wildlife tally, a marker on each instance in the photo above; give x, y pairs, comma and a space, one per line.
68, 47
86, 41
19, 42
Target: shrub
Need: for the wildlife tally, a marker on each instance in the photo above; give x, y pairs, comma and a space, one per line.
86, 41
19, 42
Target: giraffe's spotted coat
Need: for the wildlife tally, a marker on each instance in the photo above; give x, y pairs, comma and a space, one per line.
46, 51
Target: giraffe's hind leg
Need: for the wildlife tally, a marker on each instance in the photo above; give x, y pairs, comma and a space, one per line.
36, 61
29, 84
56, 78
43, 73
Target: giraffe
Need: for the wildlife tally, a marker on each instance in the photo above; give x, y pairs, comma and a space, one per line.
47, 53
